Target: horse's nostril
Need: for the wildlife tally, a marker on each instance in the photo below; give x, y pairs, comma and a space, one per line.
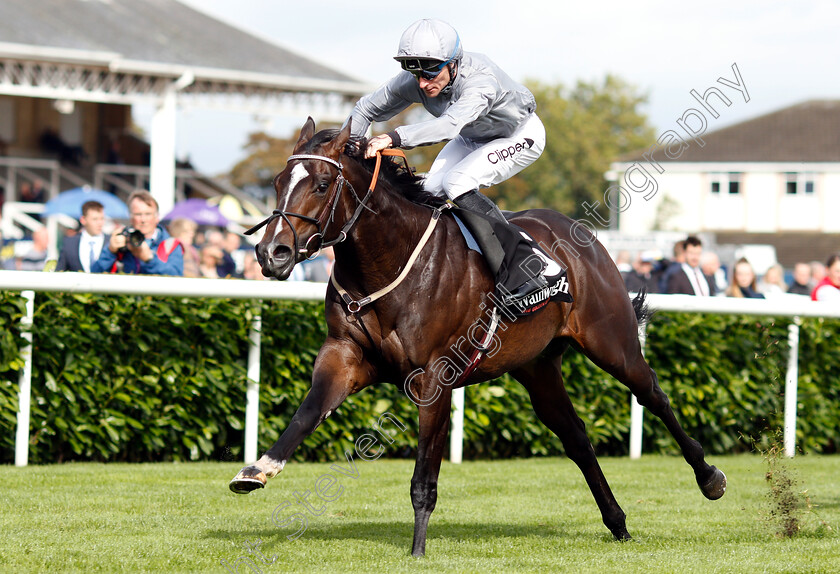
281, 253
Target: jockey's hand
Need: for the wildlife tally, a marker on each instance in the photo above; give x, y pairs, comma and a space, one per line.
378, 144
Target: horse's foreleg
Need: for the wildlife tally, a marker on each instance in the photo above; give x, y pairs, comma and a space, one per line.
544, 381
339, 371
434, 425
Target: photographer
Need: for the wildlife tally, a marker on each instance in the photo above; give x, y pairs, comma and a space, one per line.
144, 247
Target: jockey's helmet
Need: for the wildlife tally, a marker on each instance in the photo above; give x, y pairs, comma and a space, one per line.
427, 46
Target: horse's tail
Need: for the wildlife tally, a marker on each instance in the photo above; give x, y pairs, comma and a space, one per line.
640, 307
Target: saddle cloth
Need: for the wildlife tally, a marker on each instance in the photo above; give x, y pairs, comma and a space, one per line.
557, 281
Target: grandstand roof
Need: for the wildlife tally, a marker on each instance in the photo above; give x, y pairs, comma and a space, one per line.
162, 37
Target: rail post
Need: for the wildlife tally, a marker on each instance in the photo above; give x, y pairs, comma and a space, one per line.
25, 383
791, 384
456, 436
252, 394
636, 410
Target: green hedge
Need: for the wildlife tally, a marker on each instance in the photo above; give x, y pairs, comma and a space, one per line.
146, 379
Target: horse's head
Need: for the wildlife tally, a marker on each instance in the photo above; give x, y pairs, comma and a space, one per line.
308, 194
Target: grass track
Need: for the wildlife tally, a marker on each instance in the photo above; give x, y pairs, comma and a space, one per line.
531, 515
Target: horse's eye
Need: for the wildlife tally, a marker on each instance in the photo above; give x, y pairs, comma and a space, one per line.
323, 187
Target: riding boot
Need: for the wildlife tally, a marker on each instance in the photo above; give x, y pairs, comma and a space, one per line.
509, 254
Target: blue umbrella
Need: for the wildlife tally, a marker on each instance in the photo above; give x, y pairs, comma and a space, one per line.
199, 211
70, 203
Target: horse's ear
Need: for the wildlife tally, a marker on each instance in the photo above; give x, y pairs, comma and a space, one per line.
338, 143
306, 133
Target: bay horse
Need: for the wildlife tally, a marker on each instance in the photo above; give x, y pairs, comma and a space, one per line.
403, 336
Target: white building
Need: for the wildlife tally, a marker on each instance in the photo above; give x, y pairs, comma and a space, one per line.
773, 179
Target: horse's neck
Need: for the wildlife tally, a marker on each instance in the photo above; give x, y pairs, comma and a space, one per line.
380, 244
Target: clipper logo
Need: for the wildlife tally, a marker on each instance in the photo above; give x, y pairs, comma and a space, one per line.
504, 154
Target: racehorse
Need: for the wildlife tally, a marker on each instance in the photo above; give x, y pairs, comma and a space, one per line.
404, 336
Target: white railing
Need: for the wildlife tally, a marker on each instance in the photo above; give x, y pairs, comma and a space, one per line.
31, 281
28, 282
795, 306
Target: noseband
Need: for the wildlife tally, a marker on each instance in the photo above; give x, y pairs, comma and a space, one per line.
328, 211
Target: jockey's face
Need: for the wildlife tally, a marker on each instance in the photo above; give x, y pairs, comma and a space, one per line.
433, 87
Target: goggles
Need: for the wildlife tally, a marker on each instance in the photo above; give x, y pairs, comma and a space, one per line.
423, 68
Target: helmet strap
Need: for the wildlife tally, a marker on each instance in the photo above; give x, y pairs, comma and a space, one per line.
453, 71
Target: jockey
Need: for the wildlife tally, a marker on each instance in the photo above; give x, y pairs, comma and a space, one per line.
489, 123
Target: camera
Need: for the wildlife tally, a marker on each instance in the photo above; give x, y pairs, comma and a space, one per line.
133, 237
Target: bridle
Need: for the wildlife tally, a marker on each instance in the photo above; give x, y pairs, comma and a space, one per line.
327, 215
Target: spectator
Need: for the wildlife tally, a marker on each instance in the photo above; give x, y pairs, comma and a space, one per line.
36, 257
29, 195
801, 280
773, 282
227, 266
817, 273
51, 142
641, 275
673, 267
114, 157
743, 281
209, 258
156, 253
232, 245
80, 251
184, 230
688, 279
252, 269
318, 270
623, 262
829, 288
715, 275
33, 192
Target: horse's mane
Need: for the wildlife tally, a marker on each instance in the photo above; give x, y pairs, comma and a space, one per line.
406, 183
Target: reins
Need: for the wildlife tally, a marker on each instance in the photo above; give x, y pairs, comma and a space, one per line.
353, 305
329, 206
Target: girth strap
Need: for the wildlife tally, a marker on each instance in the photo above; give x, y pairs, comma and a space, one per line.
354, 306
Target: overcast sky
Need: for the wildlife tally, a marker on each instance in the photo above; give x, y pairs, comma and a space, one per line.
787, 52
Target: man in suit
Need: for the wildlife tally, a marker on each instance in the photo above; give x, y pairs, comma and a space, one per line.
79, 251
689, 280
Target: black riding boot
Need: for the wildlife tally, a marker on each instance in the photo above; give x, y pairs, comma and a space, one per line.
510, 256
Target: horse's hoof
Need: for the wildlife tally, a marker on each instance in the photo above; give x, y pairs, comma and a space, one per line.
622, 535
249, 478
715, 486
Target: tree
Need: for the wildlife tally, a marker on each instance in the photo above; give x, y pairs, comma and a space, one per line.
586, 129
266, 156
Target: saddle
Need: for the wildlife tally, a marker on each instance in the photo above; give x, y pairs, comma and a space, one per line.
515, 258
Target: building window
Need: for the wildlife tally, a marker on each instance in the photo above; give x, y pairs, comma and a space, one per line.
799, 183
734, 183
728, 182
790, 185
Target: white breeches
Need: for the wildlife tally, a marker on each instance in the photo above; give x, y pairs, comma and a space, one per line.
463, 165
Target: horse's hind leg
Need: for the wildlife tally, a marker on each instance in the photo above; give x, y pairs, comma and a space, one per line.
624, 361
544, 381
